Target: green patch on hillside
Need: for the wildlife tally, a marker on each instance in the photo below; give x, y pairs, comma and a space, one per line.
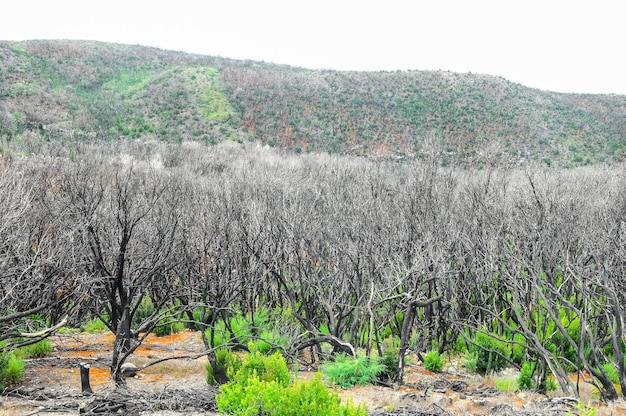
128, 81
18, 47
205, 87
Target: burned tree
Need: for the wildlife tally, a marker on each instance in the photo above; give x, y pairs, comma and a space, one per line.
35, 267
126, 220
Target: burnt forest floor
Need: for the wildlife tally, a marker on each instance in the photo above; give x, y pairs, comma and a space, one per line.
51, 386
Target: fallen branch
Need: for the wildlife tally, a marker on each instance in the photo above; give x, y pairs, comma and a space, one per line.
334, 341
46, 332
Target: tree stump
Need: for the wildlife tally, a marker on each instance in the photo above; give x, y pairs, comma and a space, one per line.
84, 379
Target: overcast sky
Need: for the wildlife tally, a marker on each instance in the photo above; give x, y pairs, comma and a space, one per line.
557, 45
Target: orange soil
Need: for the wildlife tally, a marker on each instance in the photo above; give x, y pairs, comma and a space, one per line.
153, 378
99, 376
170, 339
82, 353
143, 351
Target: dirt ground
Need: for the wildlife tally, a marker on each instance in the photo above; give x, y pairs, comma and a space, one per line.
51, 386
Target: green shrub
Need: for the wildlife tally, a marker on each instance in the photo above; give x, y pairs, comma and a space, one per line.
94, 326
389, 360
265, 368
549, 384
4, 360
349, 371
39, 349
11, 369
258, 397
260, 386
525, 381
459, 346
261, 346
261, 329
433, 361
168, 327
506, 384
612, 372
228, 361
470, 362
519, 351
143, 312
491, 354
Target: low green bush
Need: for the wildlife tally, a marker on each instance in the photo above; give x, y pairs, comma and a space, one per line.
265, 368
258, 397
491, 354
525, 380
4, 360
459, 346
389, 359
260, 329
612, 372
518, 351
228, 361
168, 327
470, 362
434, 361
261, 386
549, 384
349, 371
11, 369
94, 326
36, 350
506, 384
143, 312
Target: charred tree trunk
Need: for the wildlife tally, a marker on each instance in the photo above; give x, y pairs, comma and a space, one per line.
84, 379
405, 333
122, 345
218, 372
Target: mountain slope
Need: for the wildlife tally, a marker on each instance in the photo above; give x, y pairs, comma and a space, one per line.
90, 90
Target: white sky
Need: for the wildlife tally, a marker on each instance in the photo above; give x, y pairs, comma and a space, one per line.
557, 45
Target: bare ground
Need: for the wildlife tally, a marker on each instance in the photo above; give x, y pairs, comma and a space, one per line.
51, 386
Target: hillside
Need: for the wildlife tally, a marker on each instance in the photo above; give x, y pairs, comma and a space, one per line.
79, 90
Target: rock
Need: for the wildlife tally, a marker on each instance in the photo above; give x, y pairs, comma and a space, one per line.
129, 370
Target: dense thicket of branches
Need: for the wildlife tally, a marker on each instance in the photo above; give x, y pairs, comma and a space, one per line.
348, 249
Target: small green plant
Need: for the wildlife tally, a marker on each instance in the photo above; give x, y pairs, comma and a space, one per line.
258, 328
4, 360
94, 326
350, 371
492, 354
266, 368
470, 362
389, 359
39, 349
11, 369
143, 312
611, 371
549, 384
168, 327
228, 361
518, 351
525, 379
262, 346
506, 384
459, 346
583, 409
434, 361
